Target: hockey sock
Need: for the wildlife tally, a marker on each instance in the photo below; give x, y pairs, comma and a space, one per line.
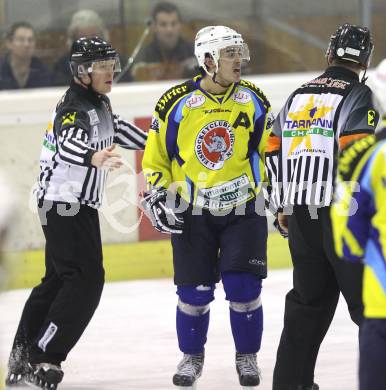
192, 331
247, 329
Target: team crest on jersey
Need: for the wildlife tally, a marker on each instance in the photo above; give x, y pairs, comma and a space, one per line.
195, 101
242, 97
214, 144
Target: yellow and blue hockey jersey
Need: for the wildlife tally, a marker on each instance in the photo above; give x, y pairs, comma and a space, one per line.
210, 148
359, 216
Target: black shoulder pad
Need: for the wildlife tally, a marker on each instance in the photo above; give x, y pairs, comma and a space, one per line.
352, 154
171, 96
257, 91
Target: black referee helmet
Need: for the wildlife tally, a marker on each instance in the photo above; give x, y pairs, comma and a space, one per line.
85, 51
351, 43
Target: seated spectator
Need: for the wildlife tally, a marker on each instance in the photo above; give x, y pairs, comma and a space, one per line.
84, 23
20, 68
168, 56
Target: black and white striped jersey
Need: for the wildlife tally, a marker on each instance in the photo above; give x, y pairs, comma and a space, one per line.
82, 124
316, 121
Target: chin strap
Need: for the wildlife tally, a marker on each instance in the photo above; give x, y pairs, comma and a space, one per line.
213, 76
216, 82
88, 86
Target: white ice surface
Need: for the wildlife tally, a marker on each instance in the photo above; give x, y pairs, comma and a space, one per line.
131, 342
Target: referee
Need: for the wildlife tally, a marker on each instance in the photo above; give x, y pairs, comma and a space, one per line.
76, 155
318, 119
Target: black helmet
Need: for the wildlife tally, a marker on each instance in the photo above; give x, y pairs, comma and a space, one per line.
351, 43
85, 51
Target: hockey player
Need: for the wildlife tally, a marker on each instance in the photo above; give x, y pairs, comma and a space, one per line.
77, 152
318, 119
359, 226
207, 138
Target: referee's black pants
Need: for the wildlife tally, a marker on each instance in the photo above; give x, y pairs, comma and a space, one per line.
318, 278
61, 306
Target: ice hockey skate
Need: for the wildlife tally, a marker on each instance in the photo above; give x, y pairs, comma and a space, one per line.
247, 369
45, 376
188, 371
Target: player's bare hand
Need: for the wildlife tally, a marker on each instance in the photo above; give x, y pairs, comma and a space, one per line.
107, 159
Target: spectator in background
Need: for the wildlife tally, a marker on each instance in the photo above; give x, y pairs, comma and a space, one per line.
20, 68
168, 56
84, 23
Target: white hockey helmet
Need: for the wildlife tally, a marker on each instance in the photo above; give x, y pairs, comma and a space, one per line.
211, 39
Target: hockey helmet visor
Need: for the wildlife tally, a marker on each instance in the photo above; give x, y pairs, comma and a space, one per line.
240, 52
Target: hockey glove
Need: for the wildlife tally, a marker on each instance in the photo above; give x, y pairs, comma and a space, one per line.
161, 215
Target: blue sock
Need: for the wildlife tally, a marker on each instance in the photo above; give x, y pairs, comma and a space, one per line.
247, 329
191, 332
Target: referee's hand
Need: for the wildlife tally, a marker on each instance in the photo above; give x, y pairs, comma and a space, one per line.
282, 220
107, 159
